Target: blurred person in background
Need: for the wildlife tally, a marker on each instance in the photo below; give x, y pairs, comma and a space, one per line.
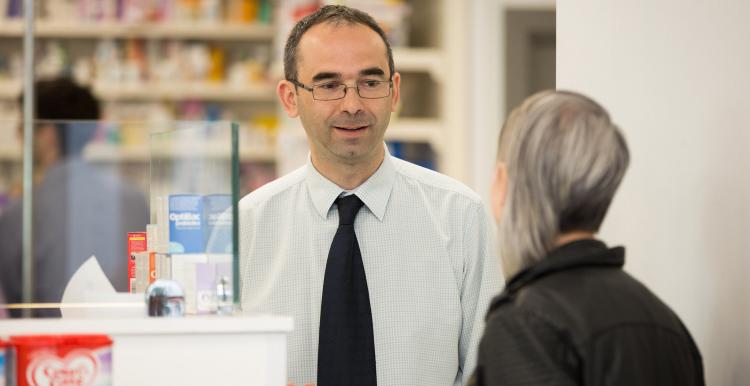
80, 210
3, 311
570, 315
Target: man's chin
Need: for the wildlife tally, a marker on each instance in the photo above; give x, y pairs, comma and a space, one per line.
358, 156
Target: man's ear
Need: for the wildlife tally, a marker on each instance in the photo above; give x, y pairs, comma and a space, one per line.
396, 91
499, 190
288, 96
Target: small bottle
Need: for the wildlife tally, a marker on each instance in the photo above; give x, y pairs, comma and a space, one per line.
224, 298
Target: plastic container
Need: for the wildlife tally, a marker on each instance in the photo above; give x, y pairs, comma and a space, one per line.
62, 360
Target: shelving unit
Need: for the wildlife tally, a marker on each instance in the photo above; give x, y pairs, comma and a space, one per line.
9, 153
424, 130
429, 60
182, 30
11, 89
114, 154
106, 153
433, 96
181, 91
434, 83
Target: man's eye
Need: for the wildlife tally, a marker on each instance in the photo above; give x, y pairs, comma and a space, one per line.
369, 83
329, 86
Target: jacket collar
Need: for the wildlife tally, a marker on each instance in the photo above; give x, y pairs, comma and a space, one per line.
576, 254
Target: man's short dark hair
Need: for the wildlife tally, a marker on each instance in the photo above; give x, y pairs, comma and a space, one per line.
336, 14
62, 99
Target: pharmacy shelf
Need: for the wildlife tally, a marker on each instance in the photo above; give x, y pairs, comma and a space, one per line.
172, 30
416, 130
444, 37
103, 153
115, 154
428, 60
10, 153
178, 91
530, 4
10, 89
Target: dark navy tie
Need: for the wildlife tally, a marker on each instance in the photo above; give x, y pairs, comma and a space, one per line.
346, 348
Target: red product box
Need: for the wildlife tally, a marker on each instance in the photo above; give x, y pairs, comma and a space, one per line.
62, 360
137, 242
151, 267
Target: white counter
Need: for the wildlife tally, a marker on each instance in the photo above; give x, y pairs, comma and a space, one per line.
248, 350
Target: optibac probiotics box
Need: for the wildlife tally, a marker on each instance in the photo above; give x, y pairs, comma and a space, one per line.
186, 223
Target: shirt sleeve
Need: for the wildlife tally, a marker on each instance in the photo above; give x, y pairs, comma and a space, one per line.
519, 348
246, 240
481, 281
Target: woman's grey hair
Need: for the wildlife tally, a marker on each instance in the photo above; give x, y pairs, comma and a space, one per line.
565, 159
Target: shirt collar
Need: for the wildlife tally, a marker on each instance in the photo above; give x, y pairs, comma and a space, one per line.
374, 192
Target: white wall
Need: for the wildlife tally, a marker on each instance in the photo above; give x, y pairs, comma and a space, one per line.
485, 91
675, 75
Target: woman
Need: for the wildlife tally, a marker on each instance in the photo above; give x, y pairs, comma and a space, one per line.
569, 314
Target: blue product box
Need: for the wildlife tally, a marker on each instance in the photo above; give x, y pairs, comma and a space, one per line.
217, 224
186, 223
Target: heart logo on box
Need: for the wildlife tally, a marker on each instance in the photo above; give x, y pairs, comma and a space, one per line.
78, 368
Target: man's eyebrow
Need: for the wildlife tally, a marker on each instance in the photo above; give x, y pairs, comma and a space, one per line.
372, 71
325, 76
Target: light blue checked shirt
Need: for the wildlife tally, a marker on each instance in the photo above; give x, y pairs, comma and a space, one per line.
428, 251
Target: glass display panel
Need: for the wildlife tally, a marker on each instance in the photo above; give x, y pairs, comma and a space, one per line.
97, 189
194, 188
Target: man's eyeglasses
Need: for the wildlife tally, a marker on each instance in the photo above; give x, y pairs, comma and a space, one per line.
332, 90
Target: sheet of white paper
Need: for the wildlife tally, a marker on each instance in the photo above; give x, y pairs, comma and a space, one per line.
91, 295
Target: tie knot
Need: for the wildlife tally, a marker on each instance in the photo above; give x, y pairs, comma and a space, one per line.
348, 208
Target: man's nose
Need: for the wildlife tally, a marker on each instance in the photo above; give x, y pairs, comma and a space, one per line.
351, 103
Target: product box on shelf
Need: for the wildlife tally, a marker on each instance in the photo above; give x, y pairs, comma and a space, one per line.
61, 360
199, 275
200, 248
200, 224
137, 242
186, 223
149, 266
217, 227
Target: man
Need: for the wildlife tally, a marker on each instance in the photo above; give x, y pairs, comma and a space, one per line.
385, 266
79, 210
570, 315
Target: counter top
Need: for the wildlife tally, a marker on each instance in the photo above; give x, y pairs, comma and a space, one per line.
257, 323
